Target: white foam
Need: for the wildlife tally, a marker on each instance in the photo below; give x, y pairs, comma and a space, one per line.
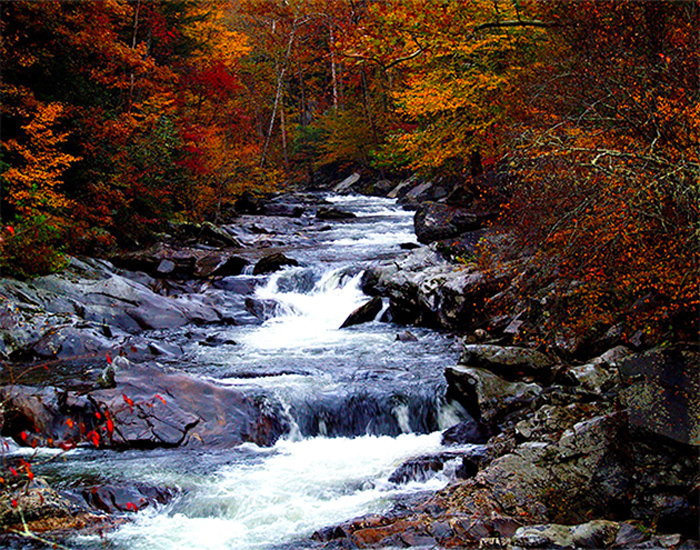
301, 487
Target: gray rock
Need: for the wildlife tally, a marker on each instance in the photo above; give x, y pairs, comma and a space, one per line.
273, 262
148, 408
663, 396
366, 313
325, 213
347, 184
510, 362
434, 222
486, 396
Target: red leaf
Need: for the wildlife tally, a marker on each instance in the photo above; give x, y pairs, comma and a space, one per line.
10, 230
109, 359
14, 503
128, 400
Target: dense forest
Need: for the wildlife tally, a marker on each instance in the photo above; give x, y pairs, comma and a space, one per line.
580, 119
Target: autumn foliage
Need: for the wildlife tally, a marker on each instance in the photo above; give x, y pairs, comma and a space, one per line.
123, 114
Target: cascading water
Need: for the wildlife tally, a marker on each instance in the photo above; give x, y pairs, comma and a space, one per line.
358, 402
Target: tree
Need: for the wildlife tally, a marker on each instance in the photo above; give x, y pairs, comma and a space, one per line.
605, 167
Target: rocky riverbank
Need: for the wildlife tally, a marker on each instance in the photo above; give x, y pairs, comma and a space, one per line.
572, 445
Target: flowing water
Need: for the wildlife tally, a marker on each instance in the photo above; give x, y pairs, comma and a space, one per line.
358, 403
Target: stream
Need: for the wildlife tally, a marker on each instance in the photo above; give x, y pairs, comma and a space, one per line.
358, 403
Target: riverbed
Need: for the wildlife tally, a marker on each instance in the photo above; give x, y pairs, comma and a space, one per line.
358, 401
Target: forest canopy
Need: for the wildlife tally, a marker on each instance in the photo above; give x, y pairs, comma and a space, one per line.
119, 116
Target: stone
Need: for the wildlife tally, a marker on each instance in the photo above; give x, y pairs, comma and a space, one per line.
417, 469
262, 309
406, 336
192, 412
486, 396
663, 393
434, 222
510, 362
347, 184
42, 509
248, 203
285, 210
126, 498
324, 213
366, 313
148, 408
273, 262
467, 431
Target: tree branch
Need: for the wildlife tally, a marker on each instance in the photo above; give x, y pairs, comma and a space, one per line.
515, 23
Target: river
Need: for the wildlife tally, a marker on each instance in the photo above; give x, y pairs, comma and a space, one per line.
358, 401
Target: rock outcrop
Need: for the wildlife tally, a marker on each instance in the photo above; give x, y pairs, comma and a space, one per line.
149, 407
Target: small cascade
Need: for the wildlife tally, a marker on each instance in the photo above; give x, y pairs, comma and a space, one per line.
359, 402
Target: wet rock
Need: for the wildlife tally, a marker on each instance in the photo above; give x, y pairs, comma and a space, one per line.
417, 469
467, 431
663, 396
148, 408
173, 262
486, 396
325, 213
45, 416
215, 265
406, 336
262, 309
365, 313
273, 262
285, 210
126, 498
173, 409
434, 222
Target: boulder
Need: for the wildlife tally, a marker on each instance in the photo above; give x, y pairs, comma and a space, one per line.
662, 395
418, 469
152, 408
347, 184
325, 213
205, 232
284, 210
486, 396
164, 261
126, 498
594, 534
273, 262
510, 362
262, 309
435, 221
425, 289
365, 313
148, 408
467, 431
46, 416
